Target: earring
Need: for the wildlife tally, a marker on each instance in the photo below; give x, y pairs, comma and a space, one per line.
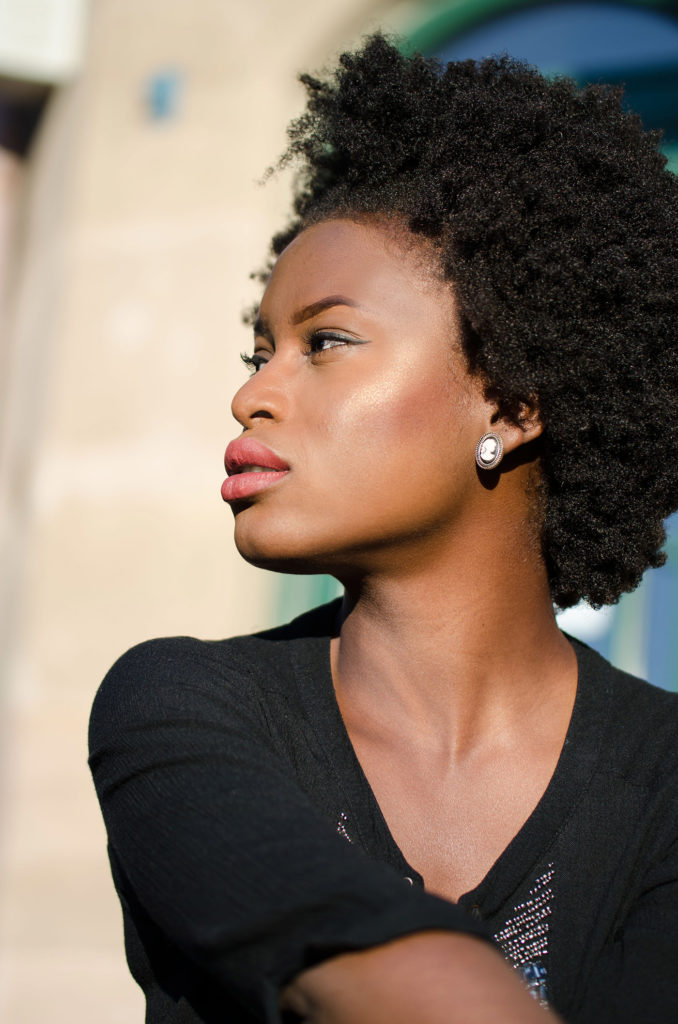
489, 451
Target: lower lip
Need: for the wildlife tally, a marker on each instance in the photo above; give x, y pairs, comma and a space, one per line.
246, 485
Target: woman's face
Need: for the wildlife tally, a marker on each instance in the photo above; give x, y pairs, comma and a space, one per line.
361, 390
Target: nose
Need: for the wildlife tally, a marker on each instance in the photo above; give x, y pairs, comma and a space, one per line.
263, 396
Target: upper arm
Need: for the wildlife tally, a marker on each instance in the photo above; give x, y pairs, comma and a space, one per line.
216, 839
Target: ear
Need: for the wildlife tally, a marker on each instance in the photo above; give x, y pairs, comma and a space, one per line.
516, 431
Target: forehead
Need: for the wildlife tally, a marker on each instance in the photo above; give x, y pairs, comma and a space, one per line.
378, 267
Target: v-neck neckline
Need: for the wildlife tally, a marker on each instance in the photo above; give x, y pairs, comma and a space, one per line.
575, 766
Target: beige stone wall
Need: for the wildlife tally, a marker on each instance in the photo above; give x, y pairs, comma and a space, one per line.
122, 347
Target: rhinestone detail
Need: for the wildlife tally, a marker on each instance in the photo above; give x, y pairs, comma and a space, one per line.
341, 827
524, 939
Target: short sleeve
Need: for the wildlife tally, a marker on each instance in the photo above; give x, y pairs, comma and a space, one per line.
215, 838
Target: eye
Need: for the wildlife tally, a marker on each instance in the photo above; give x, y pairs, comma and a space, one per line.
323, 341
254, 362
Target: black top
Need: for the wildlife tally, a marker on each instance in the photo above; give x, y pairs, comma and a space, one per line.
246, 843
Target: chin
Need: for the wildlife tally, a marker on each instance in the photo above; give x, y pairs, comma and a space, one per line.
305, 544
280, 563
278, 550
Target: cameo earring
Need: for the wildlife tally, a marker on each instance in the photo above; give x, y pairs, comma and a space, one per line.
489, 451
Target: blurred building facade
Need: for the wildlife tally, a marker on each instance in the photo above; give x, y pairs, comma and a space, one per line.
130, 218
136, 219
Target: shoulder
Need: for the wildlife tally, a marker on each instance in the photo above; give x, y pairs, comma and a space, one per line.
164, 677
640, 720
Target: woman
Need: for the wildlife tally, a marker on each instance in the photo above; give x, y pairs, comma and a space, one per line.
465, 370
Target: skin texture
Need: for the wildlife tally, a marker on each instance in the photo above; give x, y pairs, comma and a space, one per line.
454, 683
377, 430
433, 977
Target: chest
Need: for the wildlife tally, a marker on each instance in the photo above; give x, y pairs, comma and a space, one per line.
452, 822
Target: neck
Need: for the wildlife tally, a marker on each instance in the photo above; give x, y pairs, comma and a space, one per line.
457, 653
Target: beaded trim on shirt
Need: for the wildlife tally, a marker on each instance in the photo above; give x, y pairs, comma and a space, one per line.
524, 939
341, 827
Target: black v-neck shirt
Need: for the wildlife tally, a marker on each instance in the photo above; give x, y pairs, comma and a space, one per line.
246, 843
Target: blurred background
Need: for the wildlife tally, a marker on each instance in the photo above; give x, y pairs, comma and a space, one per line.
133, 136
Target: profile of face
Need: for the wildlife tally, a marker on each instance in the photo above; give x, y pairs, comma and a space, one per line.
362, 394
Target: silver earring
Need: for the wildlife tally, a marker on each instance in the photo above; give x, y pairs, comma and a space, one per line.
489, 451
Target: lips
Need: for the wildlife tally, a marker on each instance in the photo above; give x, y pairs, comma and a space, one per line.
251, 468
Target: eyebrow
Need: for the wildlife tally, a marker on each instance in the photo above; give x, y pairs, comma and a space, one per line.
317, 307
262, 329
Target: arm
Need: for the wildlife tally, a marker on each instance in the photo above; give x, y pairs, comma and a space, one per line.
430, 978
215, 841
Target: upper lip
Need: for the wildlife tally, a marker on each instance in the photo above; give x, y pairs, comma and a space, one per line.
245, 452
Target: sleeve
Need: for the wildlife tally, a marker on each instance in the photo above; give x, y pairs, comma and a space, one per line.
636, 977
220, 846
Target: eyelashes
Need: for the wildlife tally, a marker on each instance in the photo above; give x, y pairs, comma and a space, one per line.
253, 363
323, 341
315, 344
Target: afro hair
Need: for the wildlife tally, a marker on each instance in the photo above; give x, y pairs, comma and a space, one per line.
556, 223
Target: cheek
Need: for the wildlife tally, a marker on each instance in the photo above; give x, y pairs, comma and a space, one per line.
407, 414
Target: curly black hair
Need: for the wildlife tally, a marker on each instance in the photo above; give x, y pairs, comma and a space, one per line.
556, 222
